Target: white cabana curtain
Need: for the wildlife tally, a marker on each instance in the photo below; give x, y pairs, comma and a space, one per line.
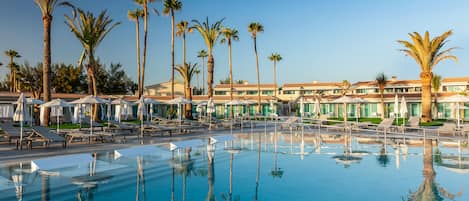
117, 113
78, 113
6, 111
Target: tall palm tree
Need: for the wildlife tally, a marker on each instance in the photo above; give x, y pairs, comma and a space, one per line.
229, 35
381, 81
187, 73
202, 54
90, 30
136, 15
144, 4
210, 33
436, 84
427, 53
47, 8
254, 28
275, 57
197, 72
182, 29
171, 6
12, 54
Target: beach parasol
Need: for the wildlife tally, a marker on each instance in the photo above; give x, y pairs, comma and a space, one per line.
19, 115
57, 103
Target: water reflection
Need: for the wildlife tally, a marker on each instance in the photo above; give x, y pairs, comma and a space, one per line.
348, 157
429, 190
232, 151
211, 172
277, 172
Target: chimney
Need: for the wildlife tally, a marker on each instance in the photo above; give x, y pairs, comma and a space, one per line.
315, 81
393, 78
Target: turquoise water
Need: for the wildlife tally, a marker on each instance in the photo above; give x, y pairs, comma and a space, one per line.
283, 169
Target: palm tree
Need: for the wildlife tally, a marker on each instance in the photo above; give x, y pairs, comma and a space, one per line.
171, 6
187, 73
197, 72
381, 81
182, 29
228, 36
144, 4
90, 32
275, 57
202, 54
210, 33
135, 15
427, 53
436, 84
47, 9
12, 54
254, 28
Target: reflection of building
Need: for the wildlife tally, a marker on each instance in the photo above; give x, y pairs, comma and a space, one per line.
164, 89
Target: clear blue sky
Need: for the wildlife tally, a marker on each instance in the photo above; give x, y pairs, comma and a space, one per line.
329, 40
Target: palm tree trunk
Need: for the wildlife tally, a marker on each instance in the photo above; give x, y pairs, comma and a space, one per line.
203, 75
46, 69
258, 78
184, 49
426, 78
92, 84
139, 73
172, 54
382, 103
188, 106
12, 74
210, 66
231, 76
145, 34
275, 78
435, 106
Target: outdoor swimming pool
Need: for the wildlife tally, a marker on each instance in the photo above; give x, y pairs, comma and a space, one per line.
258, 166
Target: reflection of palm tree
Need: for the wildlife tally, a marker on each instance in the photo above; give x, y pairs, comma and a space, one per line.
276, 172
258, 166
383, 158
184, 166
230, 194
140, 180
45, 188
429, 190
210, 176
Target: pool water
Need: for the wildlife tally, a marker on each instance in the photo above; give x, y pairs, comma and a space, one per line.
257, 166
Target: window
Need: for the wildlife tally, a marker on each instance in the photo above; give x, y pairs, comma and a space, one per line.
336, 91
241, 93
267, 92
289, 92
457, 88
220, 93
389, 90
251, 92
361, 91
307, 92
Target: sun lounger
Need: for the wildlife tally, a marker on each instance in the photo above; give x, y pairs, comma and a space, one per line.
116, 127
12, 132
45, 137
384, 125
447, 129
82, 137
290, 123
414, 122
